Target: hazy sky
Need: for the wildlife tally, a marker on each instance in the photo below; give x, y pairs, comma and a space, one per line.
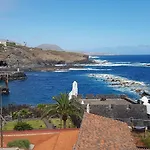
76, 24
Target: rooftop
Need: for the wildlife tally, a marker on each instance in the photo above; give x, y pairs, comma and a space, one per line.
106, 99
135, 111
106, 102
46, 139
98, 132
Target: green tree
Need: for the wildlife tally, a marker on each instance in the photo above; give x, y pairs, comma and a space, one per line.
23, 113
41, 108
64, 108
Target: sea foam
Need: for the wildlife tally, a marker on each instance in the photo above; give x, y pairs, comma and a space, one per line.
121, 83
83, 69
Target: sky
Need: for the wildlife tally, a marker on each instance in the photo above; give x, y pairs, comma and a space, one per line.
84, 25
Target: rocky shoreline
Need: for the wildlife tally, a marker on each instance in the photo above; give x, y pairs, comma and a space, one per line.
14, 75
121, 82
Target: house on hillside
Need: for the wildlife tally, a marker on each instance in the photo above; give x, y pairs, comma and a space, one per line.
9, 43
3, 42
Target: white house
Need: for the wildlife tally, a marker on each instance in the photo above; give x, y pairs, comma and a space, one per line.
4, 42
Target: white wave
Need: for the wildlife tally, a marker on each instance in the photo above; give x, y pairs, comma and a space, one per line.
144, 64
84, 69
123, 62
105, 63
100, 61
93, 57
108, 64
61, 70
60, 65
105, 69
121, 83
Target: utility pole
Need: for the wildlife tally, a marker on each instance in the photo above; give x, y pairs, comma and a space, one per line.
1, 117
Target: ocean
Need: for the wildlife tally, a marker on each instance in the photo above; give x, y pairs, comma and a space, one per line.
131, 70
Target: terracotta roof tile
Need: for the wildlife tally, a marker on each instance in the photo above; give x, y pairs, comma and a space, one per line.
100, 133
46, 139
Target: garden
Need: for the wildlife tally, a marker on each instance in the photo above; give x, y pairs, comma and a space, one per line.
64, 113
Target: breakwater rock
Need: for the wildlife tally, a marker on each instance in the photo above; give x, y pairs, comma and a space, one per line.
122, 83
14, 75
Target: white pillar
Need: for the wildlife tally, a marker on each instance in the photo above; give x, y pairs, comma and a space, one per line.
82, 102
88, 108
18, 70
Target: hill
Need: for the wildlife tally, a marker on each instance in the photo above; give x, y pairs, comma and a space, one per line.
35, 57
50, 47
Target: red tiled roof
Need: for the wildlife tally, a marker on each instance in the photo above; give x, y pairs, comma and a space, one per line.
63, 139
102, 133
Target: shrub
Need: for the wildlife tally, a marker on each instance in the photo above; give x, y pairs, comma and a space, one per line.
25, 144
1, 45
10, 43
21, 126
146, 141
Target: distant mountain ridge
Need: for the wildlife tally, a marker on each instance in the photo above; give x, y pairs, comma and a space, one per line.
50, 47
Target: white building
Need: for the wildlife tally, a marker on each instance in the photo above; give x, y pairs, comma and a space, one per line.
4, 42
145, 100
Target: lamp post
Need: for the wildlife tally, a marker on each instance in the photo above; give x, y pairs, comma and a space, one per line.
1, 113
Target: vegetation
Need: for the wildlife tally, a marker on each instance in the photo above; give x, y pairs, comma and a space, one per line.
21, 126
64, 108
36, 124
41, 108
58, 123
23, 113
146, 140
10, 43
25, 144
1, 45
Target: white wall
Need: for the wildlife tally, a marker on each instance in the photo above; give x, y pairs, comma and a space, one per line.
4, 43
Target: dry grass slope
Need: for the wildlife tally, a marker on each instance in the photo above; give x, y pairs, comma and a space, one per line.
37, 57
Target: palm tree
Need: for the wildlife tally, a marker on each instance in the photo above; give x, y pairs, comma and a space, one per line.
64, 108
41, 108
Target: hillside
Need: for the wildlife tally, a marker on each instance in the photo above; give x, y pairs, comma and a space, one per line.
35, 57
50, 47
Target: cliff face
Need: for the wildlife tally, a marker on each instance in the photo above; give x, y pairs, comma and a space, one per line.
35, 57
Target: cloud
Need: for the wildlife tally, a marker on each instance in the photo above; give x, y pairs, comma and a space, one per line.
7, 6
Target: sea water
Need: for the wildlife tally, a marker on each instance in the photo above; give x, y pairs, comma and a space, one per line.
40, 87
